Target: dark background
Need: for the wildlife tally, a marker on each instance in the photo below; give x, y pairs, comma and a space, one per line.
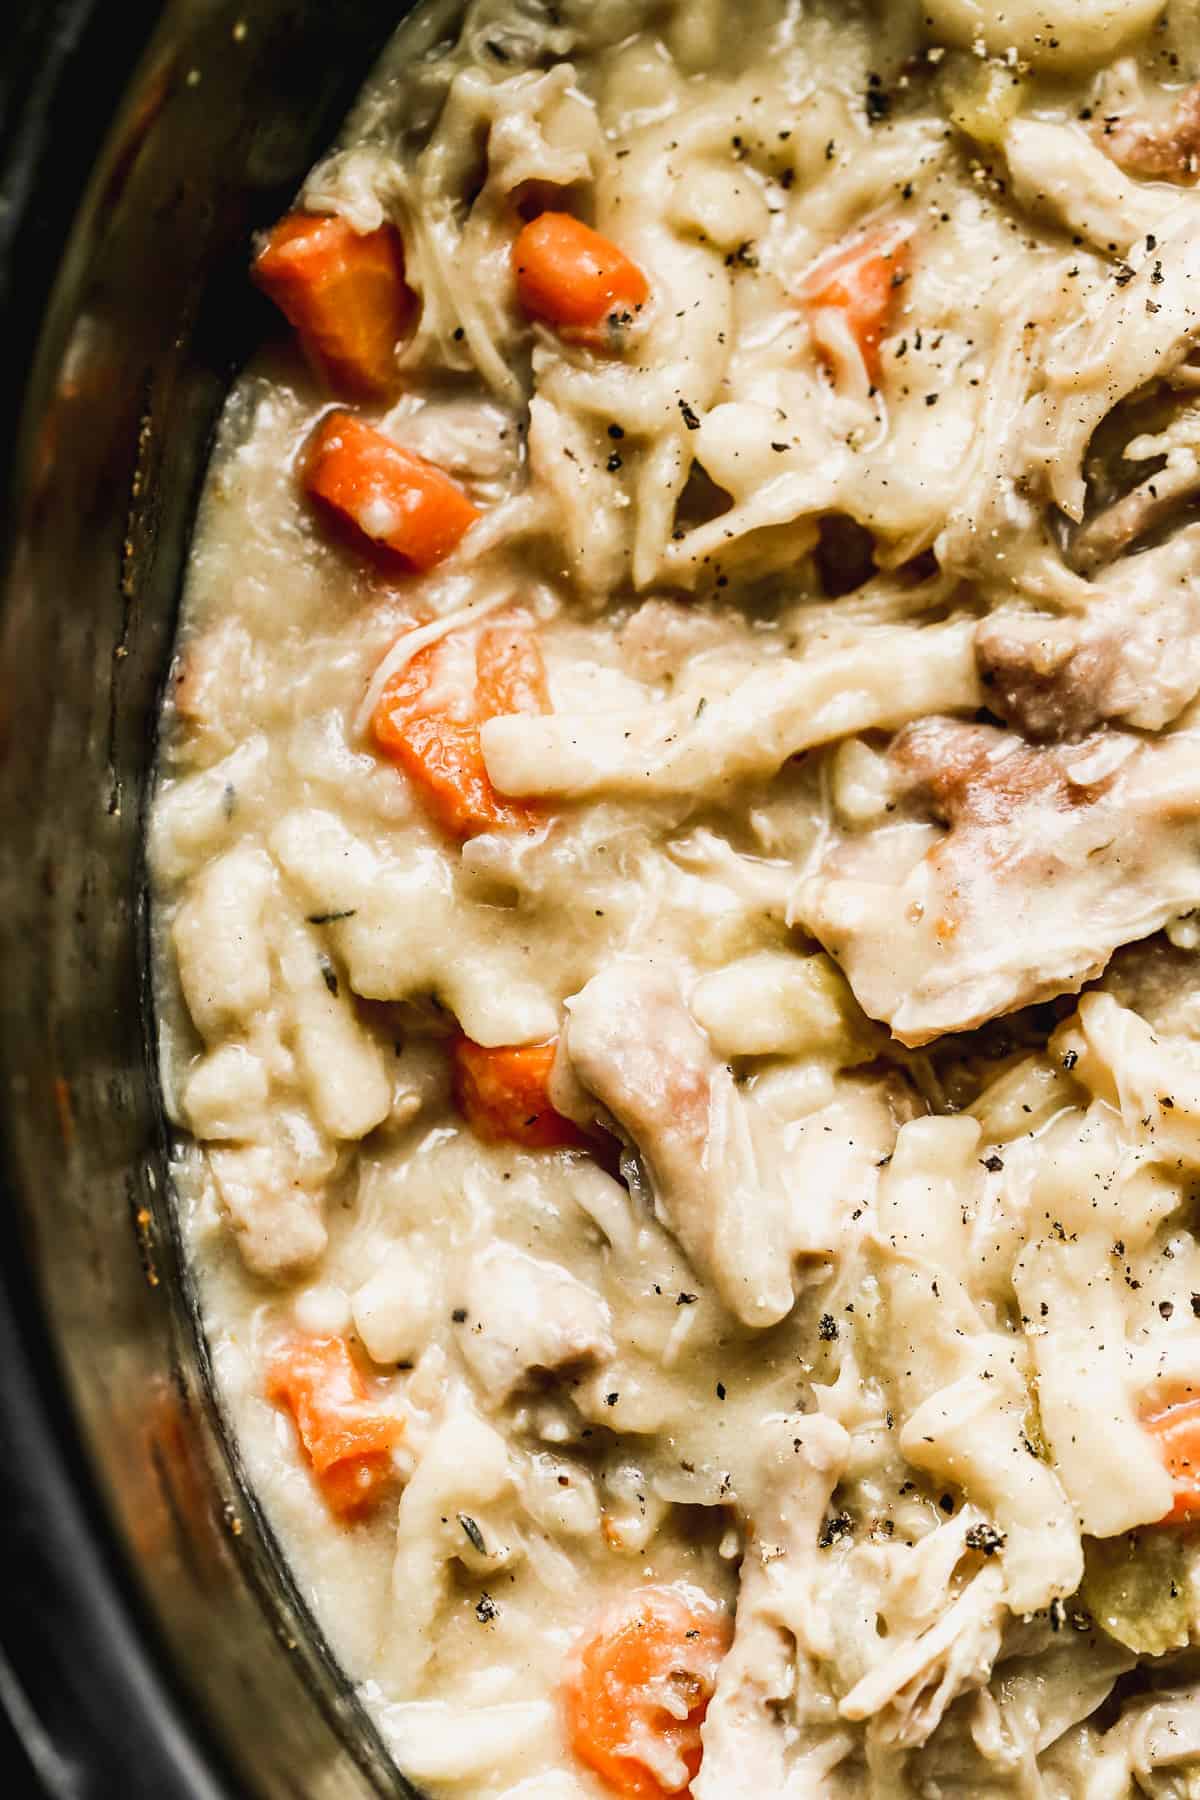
63, 64
123, 1661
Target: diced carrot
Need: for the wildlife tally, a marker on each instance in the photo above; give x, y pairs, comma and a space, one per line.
346, 1439
571, 277
345, 293
445, 762
511, 677
1176, 1430
503, 1094
353, 1487
857, 283
388, 494
439, 750
639, 1687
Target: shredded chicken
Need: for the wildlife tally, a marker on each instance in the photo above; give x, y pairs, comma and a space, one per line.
633, 1045
1133, 655
1140, 333
525, 1314
1059, 171
1052, 857
772, 1726
921, 1678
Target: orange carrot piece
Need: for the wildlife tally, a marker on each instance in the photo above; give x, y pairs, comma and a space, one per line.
1176, 1430
503, 1094
345, 293
388, 494
441, 753
571, 277
859, 282
643, 1678
510, 674
445, 762
346, 1439
354, 1486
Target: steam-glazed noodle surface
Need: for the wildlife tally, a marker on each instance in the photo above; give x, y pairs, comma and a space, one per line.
678, 857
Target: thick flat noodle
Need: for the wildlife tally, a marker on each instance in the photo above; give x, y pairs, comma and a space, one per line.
1051, 858
698, 745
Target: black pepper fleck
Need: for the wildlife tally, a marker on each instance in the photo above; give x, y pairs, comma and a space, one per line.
984, 1538
838, 1525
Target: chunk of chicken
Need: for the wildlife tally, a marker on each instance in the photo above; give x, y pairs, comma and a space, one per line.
1058, 170
471, 440
274, 1212
1165, 150
1133, 655
526, 1314
1145, 508
1053, 857
632, 1044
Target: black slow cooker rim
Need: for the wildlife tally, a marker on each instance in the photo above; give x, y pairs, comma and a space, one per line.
155, 1641
76, 1649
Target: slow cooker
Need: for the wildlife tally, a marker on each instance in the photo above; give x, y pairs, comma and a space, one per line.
153, 1642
